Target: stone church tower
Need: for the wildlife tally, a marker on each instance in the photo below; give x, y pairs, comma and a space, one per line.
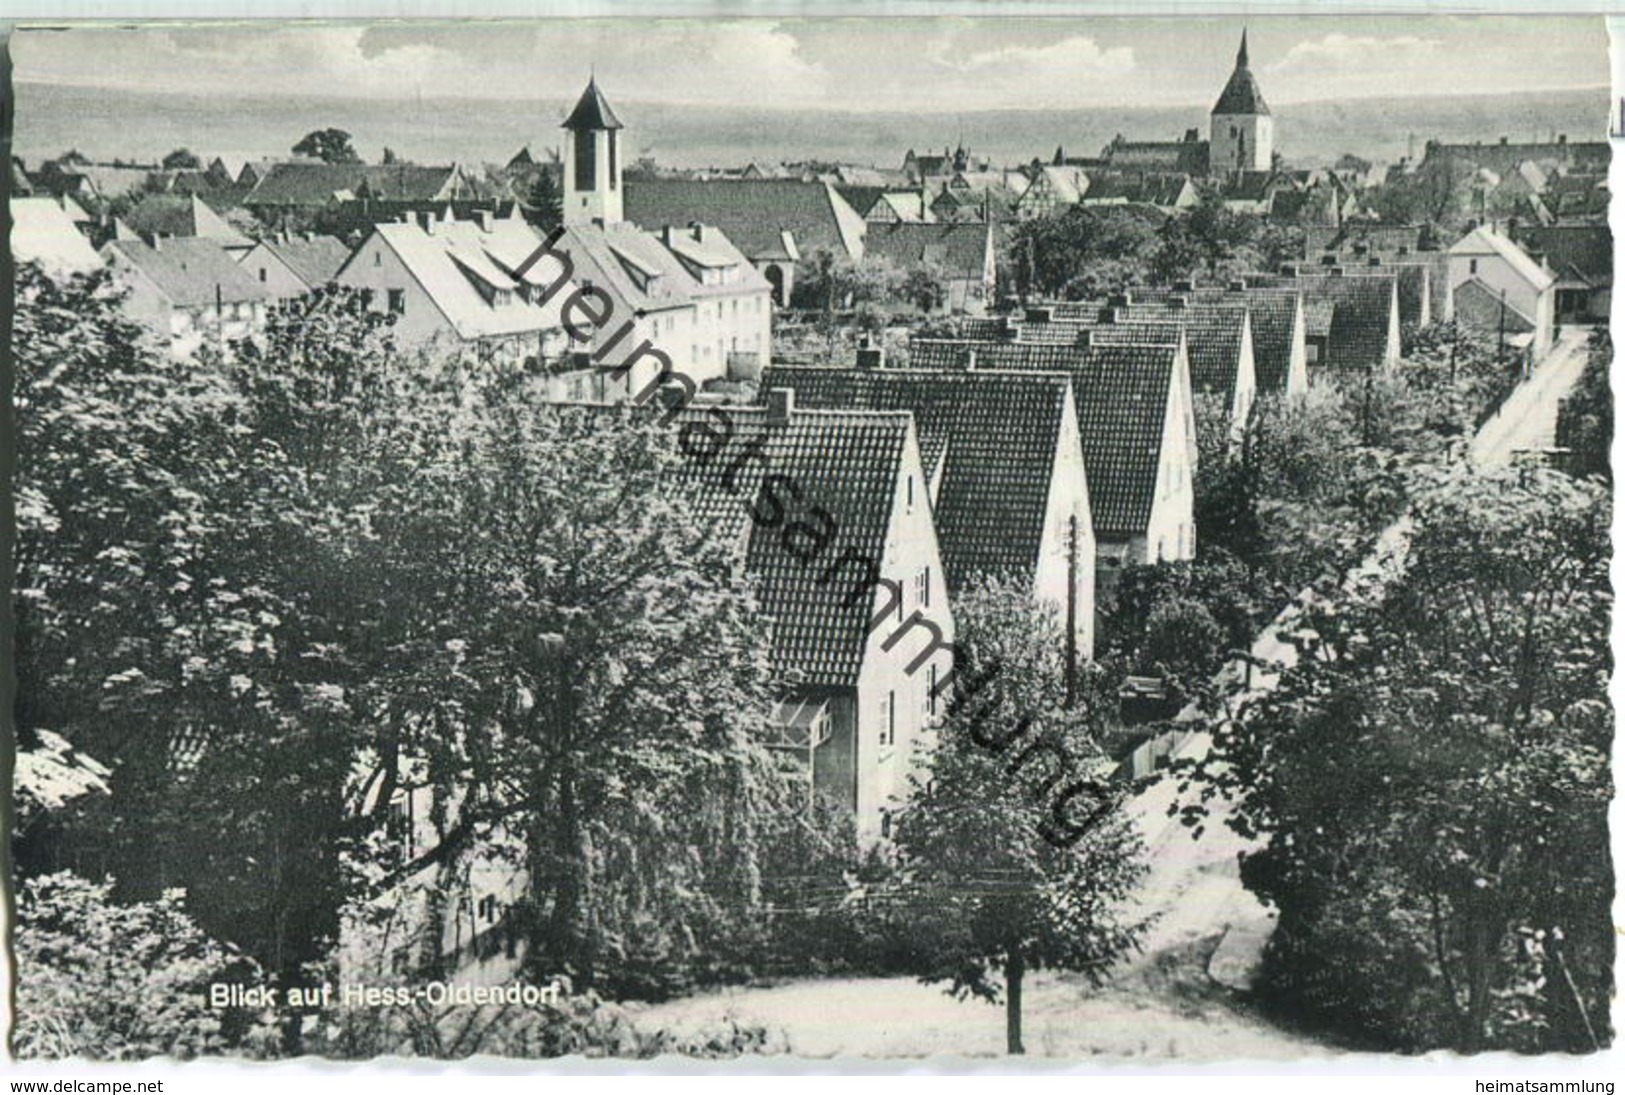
1242, 133
592, 161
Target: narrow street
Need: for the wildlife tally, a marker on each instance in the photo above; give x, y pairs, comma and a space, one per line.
1195, 888
1184, 995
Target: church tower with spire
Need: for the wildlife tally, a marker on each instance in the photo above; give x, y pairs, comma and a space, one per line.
592, 161
1242, 132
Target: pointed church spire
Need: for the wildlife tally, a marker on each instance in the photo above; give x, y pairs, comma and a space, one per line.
1241, 54
592, 110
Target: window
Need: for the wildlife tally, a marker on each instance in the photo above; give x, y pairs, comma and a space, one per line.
263, 272
399, 823
377, 258
922, 588
586, 165
888, 720
488, 909
1472, 266
613, 173
885, 824
909, 493
931, 688
397, 302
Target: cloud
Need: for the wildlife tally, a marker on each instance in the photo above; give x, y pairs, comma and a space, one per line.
1353, 52
1077, 57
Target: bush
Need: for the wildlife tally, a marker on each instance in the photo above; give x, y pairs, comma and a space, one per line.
122, 982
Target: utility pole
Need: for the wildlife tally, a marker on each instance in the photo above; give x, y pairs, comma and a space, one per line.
1501, 331
1072, 611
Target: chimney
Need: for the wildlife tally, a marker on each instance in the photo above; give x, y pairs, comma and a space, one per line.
696, 230
1289, 269
1503, 140
1040, 315
781, 403
1404, 249
1334, 271
1237, 286
1373, 261
157, 241
668, 235
871, 356
1184, 285
1562, 138
485, 217
1118, 300
1328, 259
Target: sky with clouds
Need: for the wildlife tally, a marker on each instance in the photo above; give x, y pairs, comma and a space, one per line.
942, 65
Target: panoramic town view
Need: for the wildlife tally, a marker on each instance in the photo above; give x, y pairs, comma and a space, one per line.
1085, 539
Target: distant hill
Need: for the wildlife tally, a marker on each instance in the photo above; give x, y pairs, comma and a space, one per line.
52, 118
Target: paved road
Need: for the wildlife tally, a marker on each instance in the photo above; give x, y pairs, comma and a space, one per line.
1194, 887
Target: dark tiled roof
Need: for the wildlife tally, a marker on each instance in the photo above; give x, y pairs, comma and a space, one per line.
1190, 157
1481, 307
1412, 274
996, 433
406, 182
1503, 159
315, 259
592, 111
1574, 252
961, 249
983, 327
1213, 335
305, 184
848, 464
1252, 186
1122, 393
1213, 327
1272, 313
313, 185
939, 353
1355, 313
861, 198
189, 271
755, 213
1241, 95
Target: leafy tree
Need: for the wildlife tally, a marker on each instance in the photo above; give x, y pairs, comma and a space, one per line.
628, 752
181, 159
389, 156
1208, 241
1182, 620
1083, 251
1430, 779
1585, 422
157, 629
328, 145
105, 981
994, 893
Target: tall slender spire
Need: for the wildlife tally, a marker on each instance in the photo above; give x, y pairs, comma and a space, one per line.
1241, 54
